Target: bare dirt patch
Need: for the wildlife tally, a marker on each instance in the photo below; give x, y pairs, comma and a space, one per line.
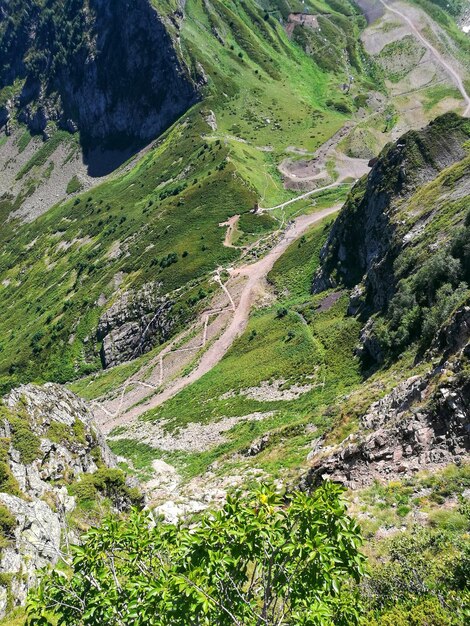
300, 19
231, 225
329, 301
81, 241
306, 173
114, 251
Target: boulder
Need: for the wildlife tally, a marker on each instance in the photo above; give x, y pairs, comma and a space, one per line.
134, 324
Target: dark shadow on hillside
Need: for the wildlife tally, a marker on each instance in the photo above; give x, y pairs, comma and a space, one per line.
102, 160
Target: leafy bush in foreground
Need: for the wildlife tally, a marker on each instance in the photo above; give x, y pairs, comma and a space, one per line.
261, 560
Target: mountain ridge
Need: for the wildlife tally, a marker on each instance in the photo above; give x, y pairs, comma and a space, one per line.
201, 297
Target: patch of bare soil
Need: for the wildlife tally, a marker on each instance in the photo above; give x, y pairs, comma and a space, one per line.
300, 19
81, 241
231, 225
329, 301
305, 173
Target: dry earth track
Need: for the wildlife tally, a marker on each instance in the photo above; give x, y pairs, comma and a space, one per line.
253, 275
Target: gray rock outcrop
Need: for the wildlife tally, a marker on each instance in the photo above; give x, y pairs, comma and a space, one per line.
37, 543
135, 323
53, 429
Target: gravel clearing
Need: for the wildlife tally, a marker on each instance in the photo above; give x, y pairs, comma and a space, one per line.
195, 437
270, 391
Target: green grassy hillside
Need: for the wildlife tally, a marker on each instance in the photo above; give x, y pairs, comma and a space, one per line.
265, 94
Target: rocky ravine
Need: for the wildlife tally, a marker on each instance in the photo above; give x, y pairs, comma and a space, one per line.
47, 440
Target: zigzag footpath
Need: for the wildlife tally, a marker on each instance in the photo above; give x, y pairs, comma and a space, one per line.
253, 275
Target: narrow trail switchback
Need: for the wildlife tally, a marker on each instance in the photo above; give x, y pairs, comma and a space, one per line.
253, 275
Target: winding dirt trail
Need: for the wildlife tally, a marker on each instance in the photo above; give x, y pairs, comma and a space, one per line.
437, 55
305, 195
231, 225
253, 275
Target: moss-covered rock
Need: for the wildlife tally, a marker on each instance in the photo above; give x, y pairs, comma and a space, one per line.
52, 458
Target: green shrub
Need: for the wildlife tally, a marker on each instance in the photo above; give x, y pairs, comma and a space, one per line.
8, 483
109, 483
58, 432
97, 456
79, 431
74, 185
5, 582
24, 440
84, 490
438, 270
422, 578
449, 520
7, 522
403, 510
424, 300
426, 612
63, 434
339, 105
293, 559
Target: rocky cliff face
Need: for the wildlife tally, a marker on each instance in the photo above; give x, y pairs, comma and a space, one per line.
401, 244
134, 324
107, 69
366, 239
47, 442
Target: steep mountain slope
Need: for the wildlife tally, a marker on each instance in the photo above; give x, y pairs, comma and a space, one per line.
137, 287
412, 293
315, 381
308, 408
382, 236
151, 236
364, 241
112, 74
267, 91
